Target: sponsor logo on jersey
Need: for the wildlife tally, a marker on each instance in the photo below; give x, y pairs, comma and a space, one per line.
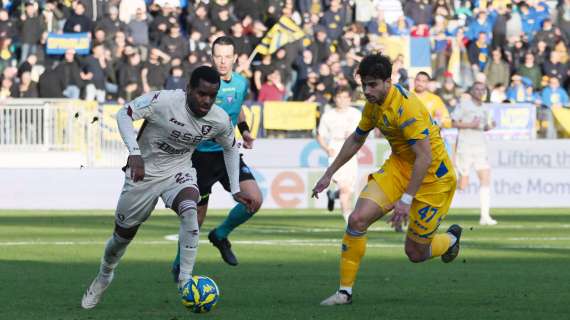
170, 149
176, 122
206, 129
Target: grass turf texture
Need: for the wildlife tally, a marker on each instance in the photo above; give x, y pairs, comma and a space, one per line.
288, 264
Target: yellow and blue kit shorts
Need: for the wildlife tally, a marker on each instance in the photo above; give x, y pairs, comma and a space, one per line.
430, 205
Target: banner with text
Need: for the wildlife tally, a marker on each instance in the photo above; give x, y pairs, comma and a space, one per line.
57, 44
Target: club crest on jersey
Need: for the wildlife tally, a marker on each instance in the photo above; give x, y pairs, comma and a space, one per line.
155, 97
230, 99
206, 129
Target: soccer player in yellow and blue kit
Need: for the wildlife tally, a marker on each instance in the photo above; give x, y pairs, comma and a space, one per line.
417, 181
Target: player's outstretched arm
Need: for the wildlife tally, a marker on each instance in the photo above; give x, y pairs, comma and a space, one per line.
245, 131
139, 108
350, 147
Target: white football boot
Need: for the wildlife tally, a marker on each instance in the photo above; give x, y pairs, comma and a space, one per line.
339, 297
95, 291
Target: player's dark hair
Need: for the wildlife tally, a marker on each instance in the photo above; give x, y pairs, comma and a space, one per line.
423, 73
376, 66
224, 40
476, 83
205, 73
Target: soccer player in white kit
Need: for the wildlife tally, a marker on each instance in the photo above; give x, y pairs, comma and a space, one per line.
335, 126
472, 118
159, 165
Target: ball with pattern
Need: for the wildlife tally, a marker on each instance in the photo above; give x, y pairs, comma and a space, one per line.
200, 294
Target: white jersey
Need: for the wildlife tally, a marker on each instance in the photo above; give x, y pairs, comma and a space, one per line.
472, 140
170, 133
336, 125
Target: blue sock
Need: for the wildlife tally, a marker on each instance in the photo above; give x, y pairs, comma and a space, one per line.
176, 261
237, 216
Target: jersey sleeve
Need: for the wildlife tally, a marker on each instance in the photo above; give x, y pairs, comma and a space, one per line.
367, 122
142, 107
139, 108
414, 122
227, 140
323, 130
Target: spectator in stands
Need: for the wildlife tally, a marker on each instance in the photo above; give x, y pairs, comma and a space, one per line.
7, 89
497, 70
175, 44
254, 9
334, 20
401, 27
541, 53
138, 28
321, 47
499, 26
244, 44
378, 26
399, 73
449, 93
130, 79
243, 66
261, 71
129, 8
71, 74
161, 23
27, 65
433, 103
111, 23
498, 94
531, 71
478, 52
118, 47
78, 21
27, 88
155, 71
8, 29
303, 64
516, 53
518, 92
31, 30
273, 89
94, 67
223, 20
553, 96
563, 17
547, 34
51, 84
554, 68
176, 80
198, 22
481, 25
419, 11
53, 17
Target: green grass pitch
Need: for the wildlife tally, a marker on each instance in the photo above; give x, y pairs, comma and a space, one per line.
289, 259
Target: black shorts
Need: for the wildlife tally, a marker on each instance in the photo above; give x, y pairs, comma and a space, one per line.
211, 168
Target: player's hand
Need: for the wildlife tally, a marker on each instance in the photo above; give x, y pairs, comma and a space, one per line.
321, 185
401, 214
247, 140
136, 164
246, 200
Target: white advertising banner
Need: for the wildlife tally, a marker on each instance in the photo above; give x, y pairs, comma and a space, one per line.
532, 173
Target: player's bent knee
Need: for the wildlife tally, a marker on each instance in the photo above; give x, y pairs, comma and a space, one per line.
357, 221
126, 233
414, 255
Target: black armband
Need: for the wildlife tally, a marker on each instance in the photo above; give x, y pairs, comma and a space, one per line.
242, 126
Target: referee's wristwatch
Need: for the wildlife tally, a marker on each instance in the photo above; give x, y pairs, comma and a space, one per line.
407, 198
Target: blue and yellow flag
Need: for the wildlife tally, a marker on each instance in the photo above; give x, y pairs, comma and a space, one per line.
283, 32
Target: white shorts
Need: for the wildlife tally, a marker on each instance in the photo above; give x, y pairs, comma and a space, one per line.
467, 160
138, 199
347, 173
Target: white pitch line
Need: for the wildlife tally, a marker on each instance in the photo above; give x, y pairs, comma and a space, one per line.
273, 242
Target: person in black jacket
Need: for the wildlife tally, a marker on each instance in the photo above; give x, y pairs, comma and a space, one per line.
31, 28
78, 22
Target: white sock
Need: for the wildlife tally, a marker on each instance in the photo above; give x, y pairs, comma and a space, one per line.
188, 236
346, 215
114, 250
347, 289
485, 199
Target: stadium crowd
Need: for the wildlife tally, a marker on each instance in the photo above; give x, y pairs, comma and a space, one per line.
519, 49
